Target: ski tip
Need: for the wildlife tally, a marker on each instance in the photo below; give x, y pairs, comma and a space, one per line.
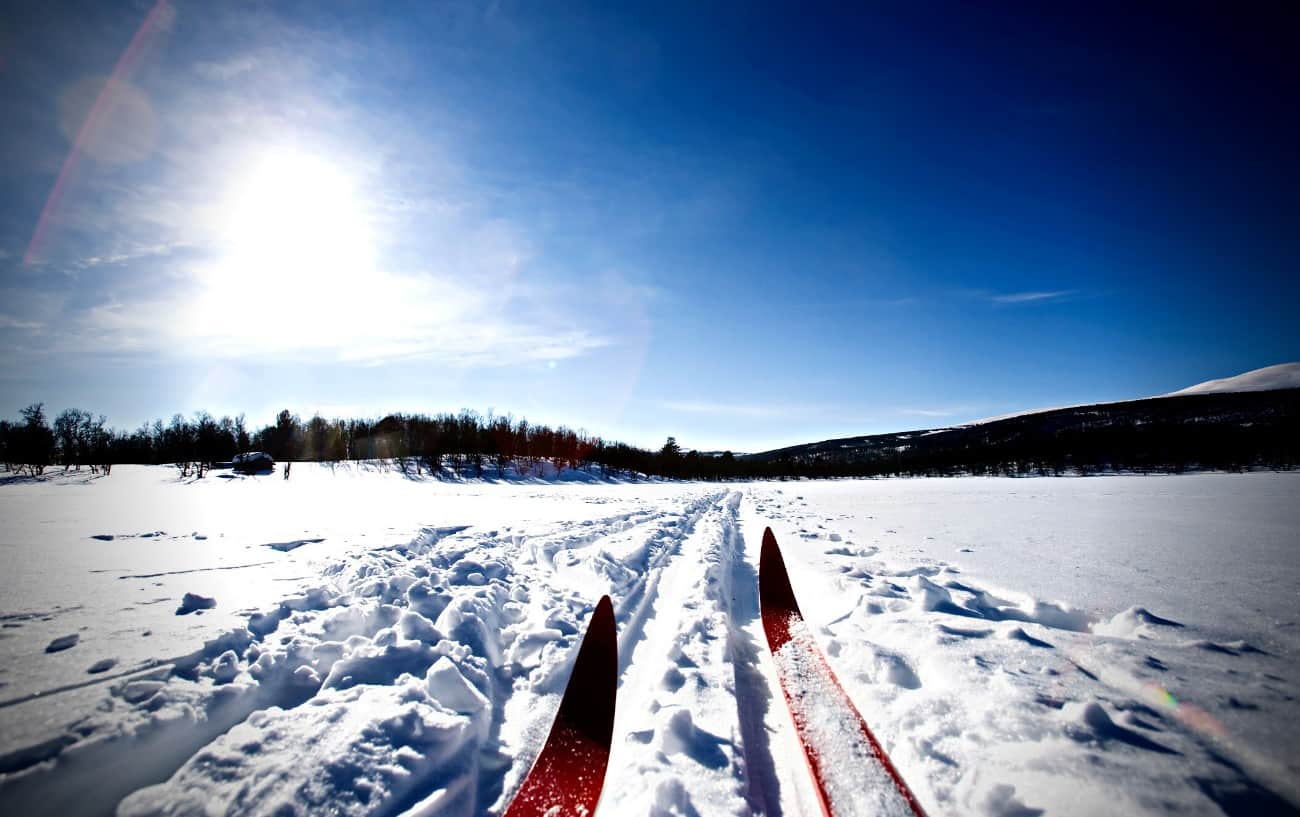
604, 611
569, 774
589, 697
769, 558
774, 590
602, 624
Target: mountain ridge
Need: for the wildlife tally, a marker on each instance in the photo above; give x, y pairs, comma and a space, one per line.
1231, 422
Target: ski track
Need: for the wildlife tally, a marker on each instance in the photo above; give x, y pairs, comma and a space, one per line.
676, 656
422, 679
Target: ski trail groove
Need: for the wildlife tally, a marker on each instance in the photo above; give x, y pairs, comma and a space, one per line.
752, 688
677, 749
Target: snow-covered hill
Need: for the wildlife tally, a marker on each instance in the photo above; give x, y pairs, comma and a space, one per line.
1281, 376
356, 642
1238, 422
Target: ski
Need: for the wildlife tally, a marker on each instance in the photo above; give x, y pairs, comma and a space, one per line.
568, 774
852, 773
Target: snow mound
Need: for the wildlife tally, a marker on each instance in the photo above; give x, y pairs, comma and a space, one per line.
1135, 623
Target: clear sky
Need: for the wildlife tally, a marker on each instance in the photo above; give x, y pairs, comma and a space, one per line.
745, 226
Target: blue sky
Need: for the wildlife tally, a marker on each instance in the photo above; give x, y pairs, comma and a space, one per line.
745, 226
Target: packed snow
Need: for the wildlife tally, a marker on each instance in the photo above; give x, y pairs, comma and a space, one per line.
361, 641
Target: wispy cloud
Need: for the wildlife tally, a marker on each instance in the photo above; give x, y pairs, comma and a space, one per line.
1034, 296
129, 254
226, 69
927, 412
720, 409
10, 322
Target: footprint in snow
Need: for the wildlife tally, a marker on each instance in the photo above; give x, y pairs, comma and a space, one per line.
1093, 722
673, 679
103, 665
964, 633
895, 669
62, 643
1018, 634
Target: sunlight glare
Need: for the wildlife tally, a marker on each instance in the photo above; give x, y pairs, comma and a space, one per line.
296, 238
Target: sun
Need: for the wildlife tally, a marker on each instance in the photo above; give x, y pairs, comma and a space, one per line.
293, 238
296, 217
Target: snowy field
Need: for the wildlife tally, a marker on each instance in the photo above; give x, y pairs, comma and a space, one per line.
353, 641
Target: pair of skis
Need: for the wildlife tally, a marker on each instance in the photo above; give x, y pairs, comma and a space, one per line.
850, 770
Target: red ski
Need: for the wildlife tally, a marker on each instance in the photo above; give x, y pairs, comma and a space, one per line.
853, 775
567, 776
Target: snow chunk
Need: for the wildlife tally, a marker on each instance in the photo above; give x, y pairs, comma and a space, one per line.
426, 599
380, 661
452, 690
415, 627
193, 602
226, 668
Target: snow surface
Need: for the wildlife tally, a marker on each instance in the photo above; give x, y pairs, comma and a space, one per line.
362, 641
1281, 376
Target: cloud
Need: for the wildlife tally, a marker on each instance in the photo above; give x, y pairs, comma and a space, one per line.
922, 412
433, 269
1037, 296
10, 322
374, 318
128, 254
753, 410
227, 69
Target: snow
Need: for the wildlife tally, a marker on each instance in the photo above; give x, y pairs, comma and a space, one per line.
1281, 376
361, 641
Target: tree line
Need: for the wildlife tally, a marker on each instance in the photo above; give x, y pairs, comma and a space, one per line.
1228, 432
465, 442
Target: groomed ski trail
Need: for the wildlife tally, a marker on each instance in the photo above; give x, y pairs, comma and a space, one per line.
678, 675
